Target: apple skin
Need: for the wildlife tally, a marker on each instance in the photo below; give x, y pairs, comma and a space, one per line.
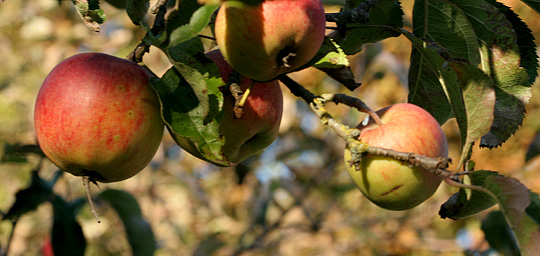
387, 182
97, 116
254, 39
255, 130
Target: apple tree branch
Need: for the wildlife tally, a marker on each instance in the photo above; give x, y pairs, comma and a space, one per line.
358, 148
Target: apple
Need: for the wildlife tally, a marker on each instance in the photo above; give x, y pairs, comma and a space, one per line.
97, 116
258, 126
262, 41
390, 183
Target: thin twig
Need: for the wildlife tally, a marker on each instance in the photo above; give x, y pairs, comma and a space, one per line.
436, 165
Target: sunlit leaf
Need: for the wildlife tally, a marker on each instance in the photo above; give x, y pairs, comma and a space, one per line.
534, 4
90, 12
484, 34
198, 22
479, 99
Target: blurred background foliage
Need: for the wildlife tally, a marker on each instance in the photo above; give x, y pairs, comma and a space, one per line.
295, 198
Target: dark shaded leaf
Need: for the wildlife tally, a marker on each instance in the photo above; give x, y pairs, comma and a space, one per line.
28, 199
18, 152
209, 245
67, 235
533, 210
120, 4
534, 148
384, 13
466, 203
434, 85
499, 235
513, 199
138, 230
136, 10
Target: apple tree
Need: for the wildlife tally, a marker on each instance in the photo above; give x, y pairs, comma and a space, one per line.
233, 73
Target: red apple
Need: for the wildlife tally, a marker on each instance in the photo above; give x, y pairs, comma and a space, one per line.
258, 126
389, 183
97, 116
265, 40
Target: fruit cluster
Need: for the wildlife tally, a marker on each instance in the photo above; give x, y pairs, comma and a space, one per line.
97, 116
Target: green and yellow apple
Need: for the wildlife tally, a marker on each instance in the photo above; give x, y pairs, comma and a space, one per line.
390, 183
258, 126
97, 116
264, 40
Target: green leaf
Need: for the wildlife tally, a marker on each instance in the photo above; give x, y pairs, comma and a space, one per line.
187, 117
136, 10
433, 84
138, 230
512, 64
67, 235
484, 34
479, 99
466, 203
384, 13
333, 61
120, 4
200, 73
17, 152
499, 235
209, 245
28, 199
198, 22
534, 148
90, 12
533, 210
524, 40
330, 55
513, 198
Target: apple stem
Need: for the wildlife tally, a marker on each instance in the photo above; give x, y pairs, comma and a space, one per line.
240, 98
245, 96
86, 182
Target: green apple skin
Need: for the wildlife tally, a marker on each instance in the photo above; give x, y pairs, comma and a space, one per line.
255, 130
254, 39
97, 116
387, 182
